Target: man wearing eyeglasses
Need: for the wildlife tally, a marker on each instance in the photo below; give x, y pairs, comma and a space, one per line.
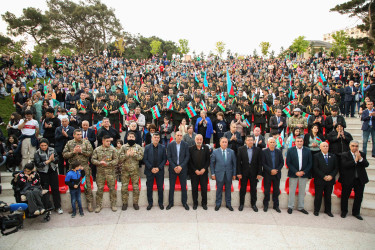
353, 175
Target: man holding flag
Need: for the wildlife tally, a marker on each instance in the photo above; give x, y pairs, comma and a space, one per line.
83, 107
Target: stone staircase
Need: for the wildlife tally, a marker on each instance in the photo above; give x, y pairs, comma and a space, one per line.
353, 127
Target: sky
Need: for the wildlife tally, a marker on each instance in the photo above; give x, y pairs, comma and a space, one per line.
241, 24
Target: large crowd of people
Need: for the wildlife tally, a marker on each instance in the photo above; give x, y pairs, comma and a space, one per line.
223, 119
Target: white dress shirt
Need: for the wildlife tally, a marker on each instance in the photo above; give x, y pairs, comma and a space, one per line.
299, 152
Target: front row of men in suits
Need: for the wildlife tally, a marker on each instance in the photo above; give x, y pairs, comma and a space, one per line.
250, 164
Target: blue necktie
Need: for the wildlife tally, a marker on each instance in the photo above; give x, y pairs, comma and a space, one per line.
224, 156
326, 158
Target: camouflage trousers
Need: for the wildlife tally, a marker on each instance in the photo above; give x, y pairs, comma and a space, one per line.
127, 173
88, 189
102, 175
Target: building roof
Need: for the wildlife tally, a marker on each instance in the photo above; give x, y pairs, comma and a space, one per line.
318, 43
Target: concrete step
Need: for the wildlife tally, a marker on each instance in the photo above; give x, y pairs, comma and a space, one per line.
353, 129
368, 205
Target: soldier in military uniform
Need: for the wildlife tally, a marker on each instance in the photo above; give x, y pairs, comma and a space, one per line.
284, 100
104, 96
178, 112
146, 105
212, 109
97, 109
332, 104
120, 96
276, 106
105, 158
83, 107
296, 104
129, 156
260, 116
314, 104
81, 150
131, 103
113, 112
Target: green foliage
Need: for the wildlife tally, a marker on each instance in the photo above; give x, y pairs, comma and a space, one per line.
220, 48
300, 45
255, 53
272, 54
183, 46
155, 47
340, 44
264, 47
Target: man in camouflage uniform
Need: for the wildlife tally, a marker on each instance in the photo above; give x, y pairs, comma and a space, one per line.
130, 154
105, 157
81, 150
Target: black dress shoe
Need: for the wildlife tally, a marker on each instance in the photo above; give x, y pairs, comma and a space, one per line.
186, 206
217, 208
358, 217
195, 207
277, 209
316, 213
343, 215
329, 214
230, 208
290, 211
240, 208
303, 211
254, 208
149, 207
169, 206
161, 207
204, 207
265, 208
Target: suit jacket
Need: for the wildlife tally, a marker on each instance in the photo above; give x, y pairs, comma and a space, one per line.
148, 158
261, 145
193, 164
329, 122
233, 144
293, 164
267, 162
219, 167
348, 167
244, 167
91, 136
275, 126
366, 120
61, 140
183, 157
321, 169
348, 93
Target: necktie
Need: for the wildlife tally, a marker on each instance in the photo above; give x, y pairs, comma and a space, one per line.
278, 120
224, 156
326, 158
85, 134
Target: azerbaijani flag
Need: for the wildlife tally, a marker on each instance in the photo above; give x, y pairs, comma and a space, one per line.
322, 78
190, 111
292, 141
203, 106
195, 77
155, 112
98, 125
45, 90
280, 140
105, 109
49, 81
82, 106
136, 96
169, 103
229, 86
362, 83
247, 121
253, 98
83, 182
221, 104
265, 107
221, 97
286, 111
124, 110
318, 140
125, 88
306, 115
205, 82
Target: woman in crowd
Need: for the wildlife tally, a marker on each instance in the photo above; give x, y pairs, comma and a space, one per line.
189, 137
12, 126
313, 139
183, 127
339, 141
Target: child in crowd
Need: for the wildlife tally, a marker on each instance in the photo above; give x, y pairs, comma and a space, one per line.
73, 179
62, 114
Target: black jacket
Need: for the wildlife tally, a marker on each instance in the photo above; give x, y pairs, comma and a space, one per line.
348, 168
321, 169
329, 123
338, 146
243, 167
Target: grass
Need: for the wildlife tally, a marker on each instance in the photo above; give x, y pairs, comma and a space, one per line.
7, 108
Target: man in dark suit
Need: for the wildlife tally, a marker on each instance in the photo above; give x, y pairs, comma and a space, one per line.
223, 170
350, 99
198, 168
154, 159
178, 157
325, 168
299, 162
334, 119
63, 134
273, 162
368, 126
277, 122
259, 140
353, 175
234, 138
249, 168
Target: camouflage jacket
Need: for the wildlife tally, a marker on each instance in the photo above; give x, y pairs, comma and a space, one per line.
109, 155
126, 160
83, 157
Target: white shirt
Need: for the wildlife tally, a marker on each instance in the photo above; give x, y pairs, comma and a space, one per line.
30, 127
256, 141
299, 152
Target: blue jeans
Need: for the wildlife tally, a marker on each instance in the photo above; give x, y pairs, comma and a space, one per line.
75, 196
165, 141
366, 135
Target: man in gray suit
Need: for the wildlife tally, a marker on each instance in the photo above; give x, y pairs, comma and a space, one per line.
223, 170
178, 157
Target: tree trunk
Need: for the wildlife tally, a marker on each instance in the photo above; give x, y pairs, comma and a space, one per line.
370, 32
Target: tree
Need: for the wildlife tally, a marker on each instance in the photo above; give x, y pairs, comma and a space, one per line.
300, 45
229, 53
220, 48
340, 45
255, 54
264, 47
365, 11
155, 47
120, 45
32, 22
272, 55
183, 46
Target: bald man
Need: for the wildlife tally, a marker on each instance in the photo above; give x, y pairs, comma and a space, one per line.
325, 169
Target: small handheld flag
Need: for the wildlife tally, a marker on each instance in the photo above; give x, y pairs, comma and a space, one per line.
169, 103
203, 106
265, 107
229, 86
82, 105
124, 110
205, 82
221, 104
155, 112
190, 111
105, 109
286, 111
125, 88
